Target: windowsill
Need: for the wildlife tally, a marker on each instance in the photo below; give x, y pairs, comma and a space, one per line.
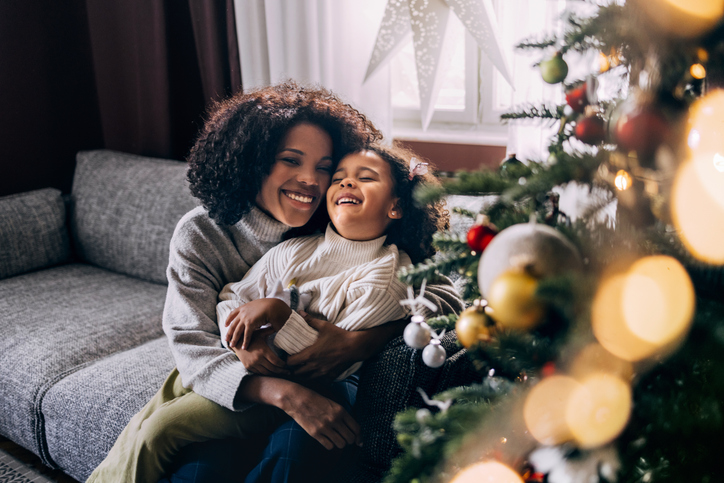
488, 135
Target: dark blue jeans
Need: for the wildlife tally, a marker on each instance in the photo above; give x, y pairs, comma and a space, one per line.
290, 454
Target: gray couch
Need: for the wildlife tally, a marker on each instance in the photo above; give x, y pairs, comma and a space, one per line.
82, 288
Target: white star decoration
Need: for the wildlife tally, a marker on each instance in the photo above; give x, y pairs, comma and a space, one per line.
427, 21
415, 302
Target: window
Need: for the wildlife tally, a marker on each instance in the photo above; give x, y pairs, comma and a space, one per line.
473, 94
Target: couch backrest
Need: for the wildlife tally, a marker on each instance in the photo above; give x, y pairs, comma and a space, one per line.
124, 209
33, 233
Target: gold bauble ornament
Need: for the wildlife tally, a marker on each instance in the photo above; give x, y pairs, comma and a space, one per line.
512, 300
474, 326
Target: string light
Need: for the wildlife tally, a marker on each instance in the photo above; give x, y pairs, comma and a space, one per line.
623, 180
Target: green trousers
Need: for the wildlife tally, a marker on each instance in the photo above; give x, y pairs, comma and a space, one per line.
176, 417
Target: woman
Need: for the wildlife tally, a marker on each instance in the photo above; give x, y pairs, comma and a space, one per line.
260, 167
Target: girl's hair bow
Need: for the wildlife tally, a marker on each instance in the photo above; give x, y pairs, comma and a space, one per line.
417, 168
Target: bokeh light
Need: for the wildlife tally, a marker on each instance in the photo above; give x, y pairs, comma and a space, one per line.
644, 310
658, 299
487, 472
697, 196
598, 410
609, 325
697, 216
594, 358
544, 410
684, 18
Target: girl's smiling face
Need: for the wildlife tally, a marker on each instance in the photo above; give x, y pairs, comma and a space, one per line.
300, 174
361, 200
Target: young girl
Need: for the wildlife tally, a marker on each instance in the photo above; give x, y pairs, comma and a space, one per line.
349, 276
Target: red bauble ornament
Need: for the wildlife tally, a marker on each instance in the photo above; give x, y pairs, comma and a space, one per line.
577, 98
480, 235
642, 130
591, 130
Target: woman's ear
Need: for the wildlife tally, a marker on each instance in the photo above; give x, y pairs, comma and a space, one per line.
395, 212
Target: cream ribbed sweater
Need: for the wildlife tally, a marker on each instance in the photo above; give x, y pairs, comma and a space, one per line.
204, 257
352, 284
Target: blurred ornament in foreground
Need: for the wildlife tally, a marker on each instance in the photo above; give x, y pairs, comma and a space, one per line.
487, 472
598, 410
683, 18
645, 310
697, 197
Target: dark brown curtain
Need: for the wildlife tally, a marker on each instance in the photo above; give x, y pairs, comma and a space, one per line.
131, 75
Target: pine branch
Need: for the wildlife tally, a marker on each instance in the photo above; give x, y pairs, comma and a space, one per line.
531, 111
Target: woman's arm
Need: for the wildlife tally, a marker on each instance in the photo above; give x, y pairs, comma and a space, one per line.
324, 420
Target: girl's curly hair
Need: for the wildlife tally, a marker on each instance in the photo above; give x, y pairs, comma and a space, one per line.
413, 232
237, 146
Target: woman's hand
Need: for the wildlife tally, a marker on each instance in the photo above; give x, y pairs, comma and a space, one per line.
259, 358
333, 352
336, 349
243, 321
323, 419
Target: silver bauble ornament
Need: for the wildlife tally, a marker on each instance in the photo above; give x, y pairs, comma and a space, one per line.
434, 354
417, 333
543, 250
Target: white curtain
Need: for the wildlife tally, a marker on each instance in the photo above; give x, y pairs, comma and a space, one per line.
325, 42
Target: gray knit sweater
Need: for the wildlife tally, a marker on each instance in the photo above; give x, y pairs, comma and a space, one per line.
204, 257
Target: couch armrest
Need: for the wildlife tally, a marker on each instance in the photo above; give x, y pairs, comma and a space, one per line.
33, 231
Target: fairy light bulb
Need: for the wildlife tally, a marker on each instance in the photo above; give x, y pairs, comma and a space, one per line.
697, 71
623, 180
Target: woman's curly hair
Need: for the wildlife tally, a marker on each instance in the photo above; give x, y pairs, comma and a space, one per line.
237, 146
413, 232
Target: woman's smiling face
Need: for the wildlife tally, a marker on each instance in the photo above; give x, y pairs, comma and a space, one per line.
299, 177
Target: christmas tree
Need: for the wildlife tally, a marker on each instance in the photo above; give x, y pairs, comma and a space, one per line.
598, 342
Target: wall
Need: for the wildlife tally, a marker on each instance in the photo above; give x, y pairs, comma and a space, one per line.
454, 156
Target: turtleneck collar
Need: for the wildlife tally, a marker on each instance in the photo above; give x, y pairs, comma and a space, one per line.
266, 228
350, 252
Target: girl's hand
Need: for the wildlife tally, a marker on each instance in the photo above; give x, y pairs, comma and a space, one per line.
323, 419
259, 358
245, 320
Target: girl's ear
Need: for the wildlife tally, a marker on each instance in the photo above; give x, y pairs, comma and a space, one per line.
395, 213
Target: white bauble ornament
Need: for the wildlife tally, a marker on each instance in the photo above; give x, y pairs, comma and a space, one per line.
417, 333
434, 354
543, 250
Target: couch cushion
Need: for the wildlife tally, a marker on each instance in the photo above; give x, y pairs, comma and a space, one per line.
85, 412
32, 231
58, 319
124, 210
